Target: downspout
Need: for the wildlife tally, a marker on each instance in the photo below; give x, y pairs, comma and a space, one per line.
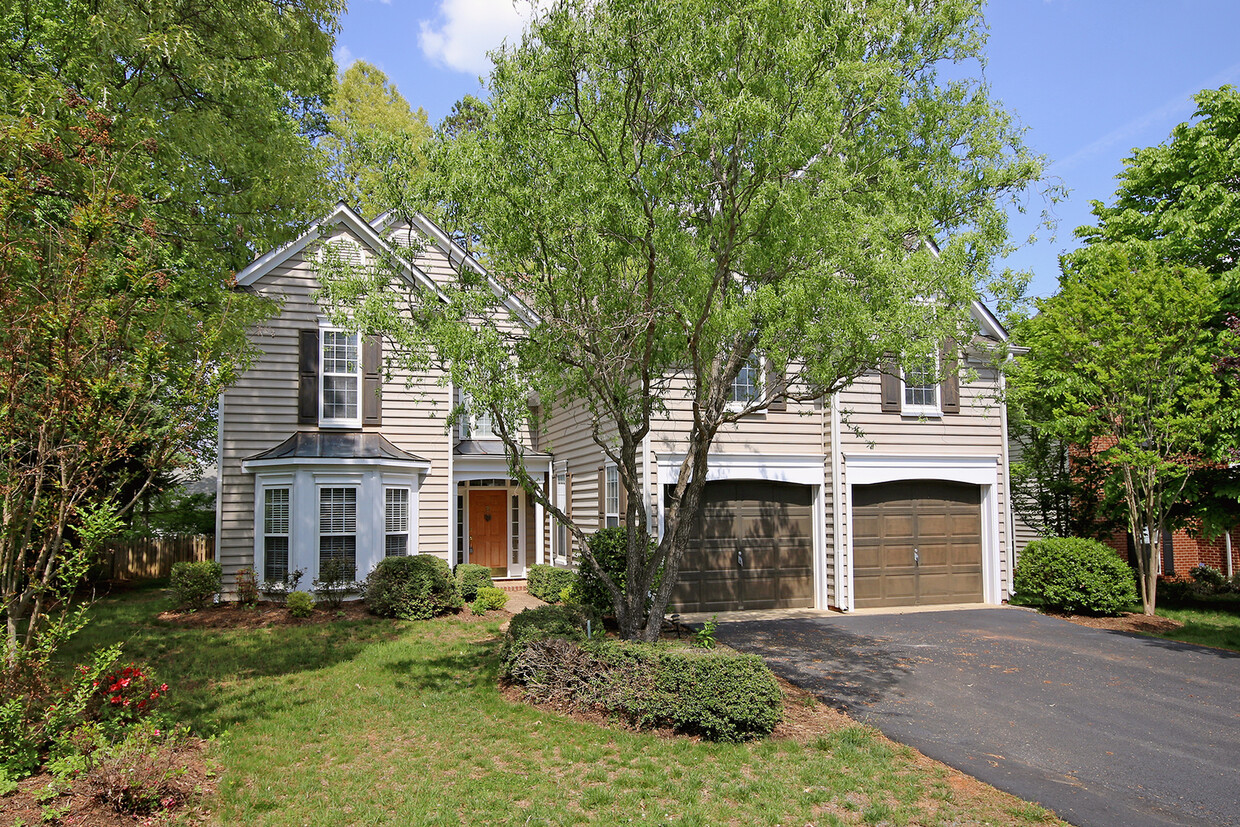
1227, 546
1007, 485
837, 506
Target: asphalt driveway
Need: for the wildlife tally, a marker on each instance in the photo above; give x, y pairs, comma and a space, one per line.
1104, 728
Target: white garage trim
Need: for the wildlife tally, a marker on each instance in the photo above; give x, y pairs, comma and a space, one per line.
867, 469
799, 470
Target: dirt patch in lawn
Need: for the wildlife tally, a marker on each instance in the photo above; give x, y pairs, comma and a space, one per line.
83, 802
267, 614
1127, 622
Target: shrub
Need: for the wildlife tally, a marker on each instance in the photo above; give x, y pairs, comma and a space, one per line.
547, 582
411, 588
1209, 578
720, 696
337, 580
300, 604
1075, 575
247, 586
471, 577
194, 585
144, 773
489, 598
565, 622
610, 549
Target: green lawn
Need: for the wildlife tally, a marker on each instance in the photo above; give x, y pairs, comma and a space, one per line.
1208, 627
380, 722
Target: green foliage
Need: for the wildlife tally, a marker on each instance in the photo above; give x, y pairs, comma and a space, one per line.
1122, 365
370, 127
542, 623
610, 548
300, 604
1209, 578
470, 577
247, 586
689, 218
704, 638
146, 150
1075, 575
548, 583
417, 587
195, 584
337, 580
488, 598
720, 696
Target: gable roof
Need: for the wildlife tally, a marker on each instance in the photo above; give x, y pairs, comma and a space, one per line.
457, 257
342, 215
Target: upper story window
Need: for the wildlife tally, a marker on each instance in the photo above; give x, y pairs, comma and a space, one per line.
921, 390
475, 422
747, 386
341, 369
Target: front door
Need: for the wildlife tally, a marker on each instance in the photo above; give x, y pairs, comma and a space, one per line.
488, 531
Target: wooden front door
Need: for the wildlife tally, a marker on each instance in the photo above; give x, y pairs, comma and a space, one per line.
488, 530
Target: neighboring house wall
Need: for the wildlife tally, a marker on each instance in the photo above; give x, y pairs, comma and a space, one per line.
1189, 549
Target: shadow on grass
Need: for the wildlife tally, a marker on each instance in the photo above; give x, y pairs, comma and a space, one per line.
846, 670
474, 667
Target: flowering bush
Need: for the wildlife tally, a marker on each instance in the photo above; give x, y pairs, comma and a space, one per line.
129, 694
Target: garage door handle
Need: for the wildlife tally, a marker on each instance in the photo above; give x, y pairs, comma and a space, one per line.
916, 558
740, 558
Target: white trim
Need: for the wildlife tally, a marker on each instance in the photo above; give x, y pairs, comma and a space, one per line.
453, 548
838, 525
327, 464
468, 467
1010, 551
219, 475
341, 215
803, 470
982, 471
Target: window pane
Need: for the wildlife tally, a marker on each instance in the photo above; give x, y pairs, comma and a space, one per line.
745, 386
275, 558
612, 502
397, 510
396, 545
339, 352
338, 511
339, 397
339, 548
920, 388
275, 511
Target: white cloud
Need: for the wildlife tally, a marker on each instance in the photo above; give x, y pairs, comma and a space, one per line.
344, 57
467, 29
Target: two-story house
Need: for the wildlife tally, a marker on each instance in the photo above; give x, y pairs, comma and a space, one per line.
892, 492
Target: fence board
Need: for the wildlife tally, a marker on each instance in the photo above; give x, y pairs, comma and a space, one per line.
144, 558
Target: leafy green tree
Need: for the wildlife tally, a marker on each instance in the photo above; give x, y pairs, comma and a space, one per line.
673, 200
370, 127
147, 150
468, 115
1123, 364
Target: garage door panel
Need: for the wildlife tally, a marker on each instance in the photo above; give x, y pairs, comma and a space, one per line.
753, 548
941, 520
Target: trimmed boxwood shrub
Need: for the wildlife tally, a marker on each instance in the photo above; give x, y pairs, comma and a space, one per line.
610, 548
194, 585
721, 696
411, 588
1075, 575
548, 583
489, 598
470, 577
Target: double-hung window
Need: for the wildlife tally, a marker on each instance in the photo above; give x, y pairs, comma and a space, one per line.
561, 530
275, 534
476, 421
341, 370
921, 389
396, 522
747, 386
338, 529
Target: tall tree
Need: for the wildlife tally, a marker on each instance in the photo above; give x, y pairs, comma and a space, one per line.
148, 149
467, 115
674, 199
1122, 364
370, 127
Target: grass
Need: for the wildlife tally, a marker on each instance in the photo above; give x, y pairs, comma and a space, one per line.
1207, 627
380, 722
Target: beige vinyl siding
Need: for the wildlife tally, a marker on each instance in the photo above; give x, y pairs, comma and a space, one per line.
974, 432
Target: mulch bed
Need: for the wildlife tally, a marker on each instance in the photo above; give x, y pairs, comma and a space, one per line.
1127, 622
80, 805
267, 614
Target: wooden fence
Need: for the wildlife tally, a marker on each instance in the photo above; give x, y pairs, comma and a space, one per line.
152, 557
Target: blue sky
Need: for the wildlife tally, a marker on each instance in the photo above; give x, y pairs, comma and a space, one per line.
1090, 79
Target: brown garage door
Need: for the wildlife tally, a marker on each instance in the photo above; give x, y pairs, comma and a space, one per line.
917, 543
752, 548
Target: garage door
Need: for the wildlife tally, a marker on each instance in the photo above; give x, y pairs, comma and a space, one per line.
752, 548
917, 543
